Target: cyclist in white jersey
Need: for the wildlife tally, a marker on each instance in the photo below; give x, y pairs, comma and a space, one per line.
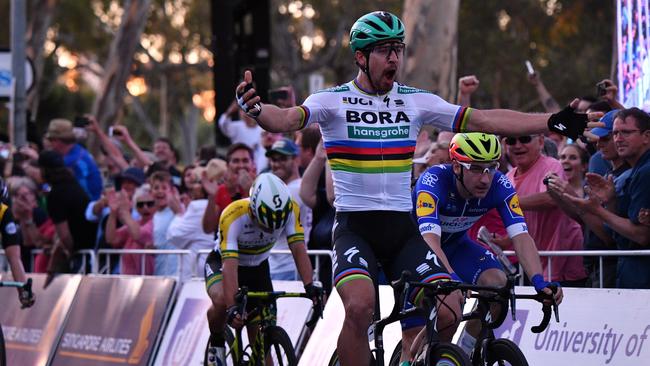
369, 128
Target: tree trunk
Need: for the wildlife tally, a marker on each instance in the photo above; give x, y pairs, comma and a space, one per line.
432, 45
118, 66
41, 12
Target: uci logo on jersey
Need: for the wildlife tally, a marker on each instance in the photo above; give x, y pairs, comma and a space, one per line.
372, 118
513, 205
426, 204
355, 100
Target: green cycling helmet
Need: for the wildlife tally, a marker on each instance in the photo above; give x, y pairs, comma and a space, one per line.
375, 27
475, 147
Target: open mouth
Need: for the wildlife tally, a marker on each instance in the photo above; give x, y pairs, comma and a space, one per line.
390, 74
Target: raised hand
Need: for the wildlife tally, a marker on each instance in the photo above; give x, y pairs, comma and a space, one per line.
468, 84
247, 97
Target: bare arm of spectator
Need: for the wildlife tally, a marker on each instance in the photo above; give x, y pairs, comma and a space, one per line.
212, 213
175, 202
644, 216
309, 184
537, 201
106, 143
225, 119
549, 103
122, 133
467, 85
329, 185
112, 236
635, 232
124, 214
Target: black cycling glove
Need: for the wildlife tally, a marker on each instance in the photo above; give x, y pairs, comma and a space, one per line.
253, 111
568, 123
232, 312
314, 291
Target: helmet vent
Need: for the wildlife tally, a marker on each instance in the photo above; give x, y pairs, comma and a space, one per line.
374, 25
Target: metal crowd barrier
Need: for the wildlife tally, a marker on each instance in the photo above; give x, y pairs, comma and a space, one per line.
91, 257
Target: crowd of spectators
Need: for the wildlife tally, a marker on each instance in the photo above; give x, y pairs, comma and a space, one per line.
575, 195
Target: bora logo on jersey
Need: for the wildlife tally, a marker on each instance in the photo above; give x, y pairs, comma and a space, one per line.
426, 204
513, 205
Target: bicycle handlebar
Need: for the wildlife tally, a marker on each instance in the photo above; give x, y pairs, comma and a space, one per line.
24, 286
241, 299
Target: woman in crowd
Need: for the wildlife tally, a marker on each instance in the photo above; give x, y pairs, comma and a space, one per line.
132, 234
36, 228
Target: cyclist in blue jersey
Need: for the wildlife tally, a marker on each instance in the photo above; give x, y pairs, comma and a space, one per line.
450, 198
369, 127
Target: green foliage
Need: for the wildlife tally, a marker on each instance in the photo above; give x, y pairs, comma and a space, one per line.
571, 49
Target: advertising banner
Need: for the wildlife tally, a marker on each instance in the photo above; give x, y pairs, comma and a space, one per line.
187, 333
597, 327
31, 334
114, 320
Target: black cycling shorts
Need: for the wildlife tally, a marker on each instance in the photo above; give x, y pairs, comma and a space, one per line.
363, 239
256, 278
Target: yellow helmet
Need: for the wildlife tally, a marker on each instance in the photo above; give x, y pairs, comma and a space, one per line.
474, 147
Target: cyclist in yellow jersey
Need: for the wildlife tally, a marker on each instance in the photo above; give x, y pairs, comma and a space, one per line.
248, 229
11, 245
369, 127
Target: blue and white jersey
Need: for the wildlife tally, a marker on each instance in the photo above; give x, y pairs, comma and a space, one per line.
441, 210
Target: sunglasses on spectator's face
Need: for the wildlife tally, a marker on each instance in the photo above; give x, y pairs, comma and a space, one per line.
141, 204
522, 139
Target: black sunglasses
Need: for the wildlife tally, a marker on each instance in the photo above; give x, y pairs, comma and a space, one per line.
523, 139
141, 204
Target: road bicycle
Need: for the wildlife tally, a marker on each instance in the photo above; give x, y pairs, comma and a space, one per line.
272, 345
27, 290
489, 350
432, 351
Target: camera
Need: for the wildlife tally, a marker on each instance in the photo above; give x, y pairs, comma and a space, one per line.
545, 181
81, 121
601, 89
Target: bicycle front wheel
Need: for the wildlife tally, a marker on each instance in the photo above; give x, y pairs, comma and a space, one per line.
397, 354
230, 339
278, 347
446, 354
505, 352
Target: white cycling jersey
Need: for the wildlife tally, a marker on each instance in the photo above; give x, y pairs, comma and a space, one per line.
370, 140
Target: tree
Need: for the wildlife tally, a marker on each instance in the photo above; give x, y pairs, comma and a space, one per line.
432, 31
117, 69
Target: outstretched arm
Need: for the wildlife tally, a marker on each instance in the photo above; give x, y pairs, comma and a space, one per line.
269, 116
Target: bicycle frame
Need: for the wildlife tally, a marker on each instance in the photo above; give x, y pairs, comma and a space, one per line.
266, 319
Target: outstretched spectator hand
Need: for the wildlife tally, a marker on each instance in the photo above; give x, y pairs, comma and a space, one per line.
175, 202
467, 85
557, 186
28, 152
611, 94
644, 216
245, 179
533, 78
209, 185
600, 187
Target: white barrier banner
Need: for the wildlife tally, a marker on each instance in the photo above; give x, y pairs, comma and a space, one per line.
597, 327
322, 342
187, 333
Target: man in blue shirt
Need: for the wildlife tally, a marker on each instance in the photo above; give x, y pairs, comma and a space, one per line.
631, 133
61, 138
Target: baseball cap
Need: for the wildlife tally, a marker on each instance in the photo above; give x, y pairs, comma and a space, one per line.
50, 159
608, 120
60, 128
135, 175
283, 146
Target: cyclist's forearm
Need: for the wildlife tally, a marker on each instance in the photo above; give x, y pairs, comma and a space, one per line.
527, 253
434, 243
230, 281
303, 264
276, 119
15, 263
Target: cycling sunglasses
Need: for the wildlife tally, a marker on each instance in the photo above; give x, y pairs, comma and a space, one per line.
387, 48
149, 204
522, 139
475, 168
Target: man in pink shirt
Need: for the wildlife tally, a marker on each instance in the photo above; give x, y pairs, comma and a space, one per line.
547, 224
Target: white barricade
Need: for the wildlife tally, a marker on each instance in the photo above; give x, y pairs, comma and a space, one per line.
322, 342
